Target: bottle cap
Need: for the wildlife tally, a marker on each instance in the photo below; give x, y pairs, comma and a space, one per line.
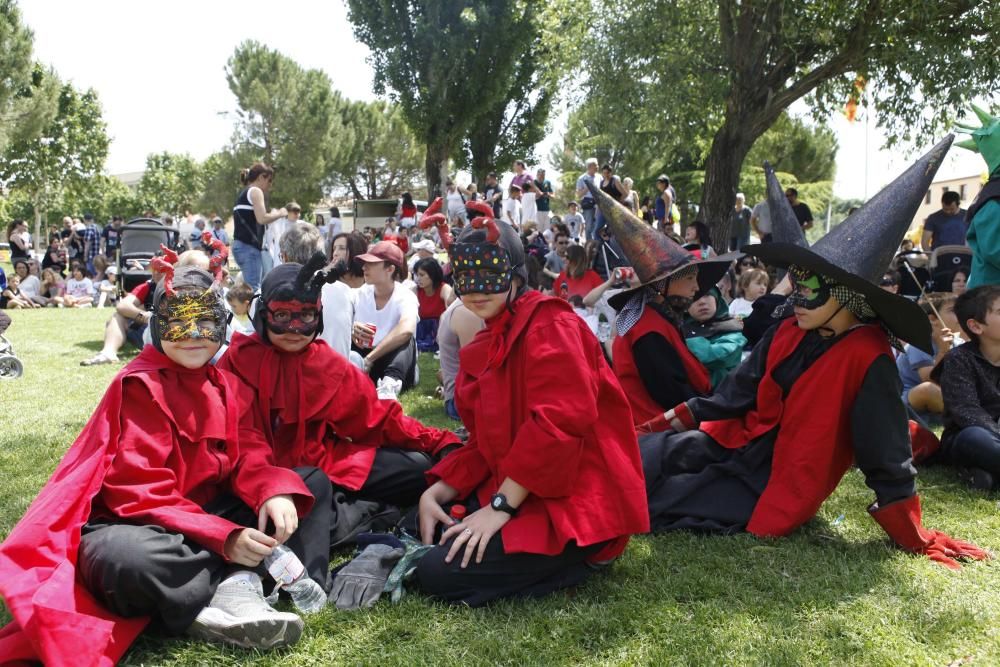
458, 512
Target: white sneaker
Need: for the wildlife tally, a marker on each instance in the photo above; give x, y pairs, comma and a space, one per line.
239, 615
388, 388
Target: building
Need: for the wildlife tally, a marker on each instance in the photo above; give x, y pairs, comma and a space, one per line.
967, 187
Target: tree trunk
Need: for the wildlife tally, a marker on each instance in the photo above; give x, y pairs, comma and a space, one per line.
722, 177
436, 168
38, 230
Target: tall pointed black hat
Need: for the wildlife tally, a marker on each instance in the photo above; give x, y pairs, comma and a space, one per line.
785, 226
653, 255
857, 252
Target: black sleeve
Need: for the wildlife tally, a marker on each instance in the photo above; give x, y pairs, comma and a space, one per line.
757, 323
959, 390
737, 393
662, 371
881, 434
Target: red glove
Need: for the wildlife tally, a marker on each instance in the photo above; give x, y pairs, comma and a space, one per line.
901, 520
657, 424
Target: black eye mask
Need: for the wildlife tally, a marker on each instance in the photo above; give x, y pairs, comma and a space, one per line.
292, 317
809, 291
191, 316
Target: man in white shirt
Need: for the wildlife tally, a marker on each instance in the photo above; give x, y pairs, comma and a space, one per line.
760, 221
272, 237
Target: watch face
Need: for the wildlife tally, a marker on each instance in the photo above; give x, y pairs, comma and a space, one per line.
497, 503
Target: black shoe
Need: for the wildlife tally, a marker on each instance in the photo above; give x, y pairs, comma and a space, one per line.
978, 479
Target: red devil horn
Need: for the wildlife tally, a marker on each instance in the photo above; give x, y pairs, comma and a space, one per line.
167, 269
432, 220
218, 256
492, 231
168, 254
435, 207
480, 207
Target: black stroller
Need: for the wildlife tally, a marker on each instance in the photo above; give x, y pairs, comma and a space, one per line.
914, 276
946, 261
140, 243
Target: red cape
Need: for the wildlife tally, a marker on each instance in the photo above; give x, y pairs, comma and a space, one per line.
57, 620
330, 416
543, 408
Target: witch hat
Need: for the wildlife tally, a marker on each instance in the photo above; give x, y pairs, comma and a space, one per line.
785, 227
653, 255
857, 252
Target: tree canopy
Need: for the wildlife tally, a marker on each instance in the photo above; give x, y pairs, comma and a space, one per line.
28, 93
444, 62
704, 79
287, 116
170, 184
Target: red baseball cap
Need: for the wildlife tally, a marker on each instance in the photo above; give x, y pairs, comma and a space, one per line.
384, 251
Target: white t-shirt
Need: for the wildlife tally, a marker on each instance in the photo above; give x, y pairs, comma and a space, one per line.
456, 206
334, 227
740, 307
272, 235
763, 214
512, 211
402, 303
529, 209
338, 316
31, 286
79, 288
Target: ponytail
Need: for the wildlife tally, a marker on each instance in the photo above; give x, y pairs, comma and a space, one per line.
258, 169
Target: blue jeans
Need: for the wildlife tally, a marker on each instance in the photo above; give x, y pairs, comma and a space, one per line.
248, 258
977, 447
590, 222
451, 410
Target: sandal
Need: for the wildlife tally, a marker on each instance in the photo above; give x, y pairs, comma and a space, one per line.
98, 360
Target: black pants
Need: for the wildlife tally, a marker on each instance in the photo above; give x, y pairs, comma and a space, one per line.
399, 364
149, 571
976, 447
500, 575
394, 484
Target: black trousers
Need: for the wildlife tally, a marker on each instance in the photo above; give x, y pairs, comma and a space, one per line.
501, 575
399, 364
149, 571
395, 483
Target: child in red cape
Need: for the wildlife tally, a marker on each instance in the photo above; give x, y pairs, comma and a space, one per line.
319, 409
551, 475
146, 517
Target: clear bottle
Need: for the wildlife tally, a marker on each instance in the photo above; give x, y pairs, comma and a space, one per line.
290, 574
603, 328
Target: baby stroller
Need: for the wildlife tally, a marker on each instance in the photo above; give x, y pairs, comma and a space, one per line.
946, 261
140, 243
913, 273
10, 366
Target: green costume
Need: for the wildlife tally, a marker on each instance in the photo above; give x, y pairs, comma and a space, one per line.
984, 214
718, 343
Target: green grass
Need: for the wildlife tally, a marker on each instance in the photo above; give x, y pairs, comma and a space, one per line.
833, 593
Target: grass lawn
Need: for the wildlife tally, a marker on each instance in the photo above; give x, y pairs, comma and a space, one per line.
835, 592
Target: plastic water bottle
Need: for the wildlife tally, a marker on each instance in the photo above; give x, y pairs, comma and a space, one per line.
290, 574
457, 513
603, 328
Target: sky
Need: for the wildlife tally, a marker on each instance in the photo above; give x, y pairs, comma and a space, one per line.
158, 68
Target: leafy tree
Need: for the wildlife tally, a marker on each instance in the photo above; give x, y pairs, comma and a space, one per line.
444, 62
171, 184
287, 116
102, 195
380, 156
28, 93
72, 148
221, 181
793, 145
729, 69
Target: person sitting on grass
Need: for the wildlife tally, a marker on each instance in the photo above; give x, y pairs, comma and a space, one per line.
817, 395
385, 321
30, 284
551, 480
654, 365
969, 376
434, 296
320, 410
713, 336
13, 299
752, 284
919, 393
79, 290
157, 514
576, 278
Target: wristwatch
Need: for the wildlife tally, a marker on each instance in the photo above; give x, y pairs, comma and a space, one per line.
500, 504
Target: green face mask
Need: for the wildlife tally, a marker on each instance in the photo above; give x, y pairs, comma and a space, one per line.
811, 291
